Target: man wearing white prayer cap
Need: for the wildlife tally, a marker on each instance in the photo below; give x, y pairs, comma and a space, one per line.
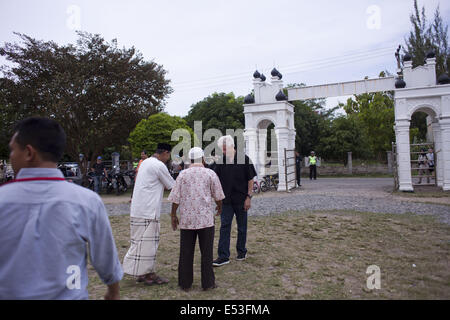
194, 192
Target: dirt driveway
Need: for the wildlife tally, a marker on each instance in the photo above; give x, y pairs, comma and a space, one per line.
372, 188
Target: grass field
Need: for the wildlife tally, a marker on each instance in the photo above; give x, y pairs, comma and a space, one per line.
320, 255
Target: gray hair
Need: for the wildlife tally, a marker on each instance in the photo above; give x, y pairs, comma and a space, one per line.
229, 141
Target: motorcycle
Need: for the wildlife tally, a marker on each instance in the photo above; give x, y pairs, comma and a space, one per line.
120, 184
90, 180
108, 182
131, 174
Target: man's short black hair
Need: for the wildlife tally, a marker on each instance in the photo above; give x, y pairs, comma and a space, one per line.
163, 147
43, 134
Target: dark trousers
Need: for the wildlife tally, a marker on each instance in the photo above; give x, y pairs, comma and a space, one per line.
186, 262
226, 219
298, 173
97, 183
312, 172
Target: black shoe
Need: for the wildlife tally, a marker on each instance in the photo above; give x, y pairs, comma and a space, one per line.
241, 256
210, 288
220, 262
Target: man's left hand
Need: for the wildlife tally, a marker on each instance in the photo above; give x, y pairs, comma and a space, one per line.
247, 204
175, 222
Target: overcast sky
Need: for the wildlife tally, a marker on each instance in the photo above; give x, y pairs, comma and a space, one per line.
215, 45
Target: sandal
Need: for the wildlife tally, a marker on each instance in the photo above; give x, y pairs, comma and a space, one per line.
143, 279
149, 282
159, 280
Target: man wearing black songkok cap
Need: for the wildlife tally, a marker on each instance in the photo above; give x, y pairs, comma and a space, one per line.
163, 147
148, 192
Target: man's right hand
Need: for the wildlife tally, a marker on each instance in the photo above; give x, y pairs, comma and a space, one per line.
219, 210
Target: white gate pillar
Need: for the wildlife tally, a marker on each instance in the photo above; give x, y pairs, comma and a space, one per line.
403, 155
437, 135
251, 146
445, 153
262, 152
444, 123
292, 139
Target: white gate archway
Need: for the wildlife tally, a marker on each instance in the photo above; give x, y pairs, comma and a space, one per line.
269, 105
416, 90
422, 93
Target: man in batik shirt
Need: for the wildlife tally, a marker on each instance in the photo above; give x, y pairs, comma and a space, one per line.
194, 192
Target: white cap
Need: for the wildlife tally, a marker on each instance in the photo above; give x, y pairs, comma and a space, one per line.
196, 153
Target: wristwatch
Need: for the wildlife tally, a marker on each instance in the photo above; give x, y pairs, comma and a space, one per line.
249, 196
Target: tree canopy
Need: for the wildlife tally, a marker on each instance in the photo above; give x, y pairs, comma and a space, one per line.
309, 123
425, 37
158, 128
219, 110
97, 91
375, 113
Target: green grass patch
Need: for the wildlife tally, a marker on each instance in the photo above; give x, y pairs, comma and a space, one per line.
315, 255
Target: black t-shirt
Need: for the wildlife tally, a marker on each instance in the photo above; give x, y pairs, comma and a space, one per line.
234, 178
98, 168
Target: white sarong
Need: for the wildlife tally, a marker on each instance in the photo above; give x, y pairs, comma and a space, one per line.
141, 257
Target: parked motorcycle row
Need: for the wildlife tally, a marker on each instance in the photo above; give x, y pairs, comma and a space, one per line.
117, 182
6, 172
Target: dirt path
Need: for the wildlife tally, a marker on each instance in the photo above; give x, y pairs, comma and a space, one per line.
113, 199
355, 194
364, 187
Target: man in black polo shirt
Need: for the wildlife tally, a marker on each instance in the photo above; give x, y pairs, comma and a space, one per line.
237, 183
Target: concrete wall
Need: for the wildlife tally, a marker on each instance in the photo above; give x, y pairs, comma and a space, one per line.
344, 170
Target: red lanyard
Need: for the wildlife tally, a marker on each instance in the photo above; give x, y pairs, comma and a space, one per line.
36, 179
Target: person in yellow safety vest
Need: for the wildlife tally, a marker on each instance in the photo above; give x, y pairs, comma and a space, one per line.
312, 166
135, 164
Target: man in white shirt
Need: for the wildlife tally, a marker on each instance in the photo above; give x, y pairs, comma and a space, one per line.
148, 192
46, 224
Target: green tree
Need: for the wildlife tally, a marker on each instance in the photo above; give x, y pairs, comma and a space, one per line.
158, 128
345, 135
9, 114
418, 130
95, 90
425, 37
439, 39
375, 112
219, 110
